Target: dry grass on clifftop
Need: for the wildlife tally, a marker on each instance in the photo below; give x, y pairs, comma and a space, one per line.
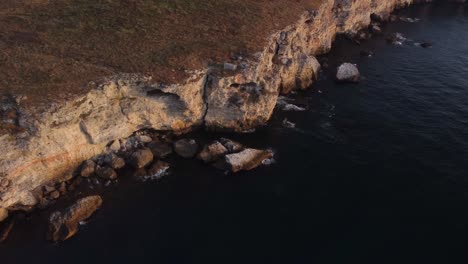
50, 49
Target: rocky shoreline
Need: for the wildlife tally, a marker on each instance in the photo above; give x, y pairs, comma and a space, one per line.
92, 137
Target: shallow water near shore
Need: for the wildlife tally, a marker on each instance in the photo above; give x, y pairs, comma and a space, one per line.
375, 172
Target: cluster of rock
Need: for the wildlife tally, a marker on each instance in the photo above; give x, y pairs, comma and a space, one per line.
223, 154
230, 155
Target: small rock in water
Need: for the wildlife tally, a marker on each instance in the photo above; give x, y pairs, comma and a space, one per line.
212, 152
426, 45
288, 124
396, 38
54, 195
114, 161
291, 107
158, 170
375, 29
65, 224
409, 19
348, 72
186, 148
160, 149
88, 168
231, 146
141, 158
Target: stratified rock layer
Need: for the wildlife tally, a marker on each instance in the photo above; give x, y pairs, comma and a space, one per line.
51, 144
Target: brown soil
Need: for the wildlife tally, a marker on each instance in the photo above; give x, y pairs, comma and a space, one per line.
52, 49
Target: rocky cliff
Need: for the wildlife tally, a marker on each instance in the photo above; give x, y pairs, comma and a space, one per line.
49, 145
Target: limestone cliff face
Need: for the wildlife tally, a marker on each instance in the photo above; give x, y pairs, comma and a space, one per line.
58, 140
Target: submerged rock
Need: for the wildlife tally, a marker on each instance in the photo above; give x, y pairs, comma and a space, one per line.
426, 45
367, 53
158, 170
288, 124
409, 19
348, 72
186, 148
141, 158
247, 159
375, 29
63, 225
212, 152
396, 38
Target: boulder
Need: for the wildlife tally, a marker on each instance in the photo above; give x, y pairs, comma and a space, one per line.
64, 224
158, 169
212, 152
88, 168
114, 161
247, 159
232, 146
160, 149
3, 214
186, 148
106, 173
348, 72
141, 158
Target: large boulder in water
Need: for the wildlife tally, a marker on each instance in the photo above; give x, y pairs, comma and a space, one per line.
348, 72
247, 159
63, 225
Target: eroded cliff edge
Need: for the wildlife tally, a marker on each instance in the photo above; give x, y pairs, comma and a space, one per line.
49, 145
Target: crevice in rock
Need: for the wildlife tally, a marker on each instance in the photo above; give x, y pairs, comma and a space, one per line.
85, 132
205, 98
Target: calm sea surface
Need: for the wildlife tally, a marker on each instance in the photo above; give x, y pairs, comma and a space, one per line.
373, 173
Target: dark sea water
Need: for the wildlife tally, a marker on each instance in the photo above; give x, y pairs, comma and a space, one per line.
374, 173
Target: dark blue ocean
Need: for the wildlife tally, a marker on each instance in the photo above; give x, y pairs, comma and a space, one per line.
375, 172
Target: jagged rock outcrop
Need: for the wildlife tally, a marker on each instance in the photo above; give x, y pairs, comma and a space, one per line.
63, 225
49, 145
